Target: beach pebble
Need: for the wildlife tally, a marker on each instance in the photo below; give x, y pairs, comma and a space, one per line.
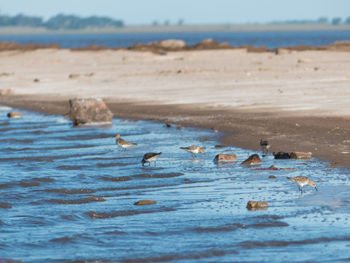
220, 158
254, 159
256, 205
172, 44
300, 155
14, 114
145, 202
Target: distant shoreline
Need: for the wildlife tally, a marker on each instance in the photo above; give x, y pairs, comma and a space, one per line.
171, 29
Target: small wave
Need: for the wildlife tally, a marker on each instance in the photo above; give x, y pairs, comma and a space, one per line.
104, 215
116, 179
183, 256
283, 243
161, 175
71, 191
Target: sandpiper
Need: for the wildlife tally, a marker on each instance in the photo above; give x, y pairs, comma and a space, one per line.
150, 157
301, 181
264, 145
193, 149
123, 143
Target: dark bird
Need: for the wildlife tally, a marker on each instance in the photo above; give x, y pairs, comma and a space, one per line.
264, 145
150, 157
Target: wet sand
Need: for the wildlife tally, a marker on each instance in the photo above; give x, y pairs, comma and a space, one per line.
299, 101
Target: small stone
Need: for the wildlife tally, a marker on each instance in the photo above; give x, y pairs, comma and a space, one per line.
272, 177
36, 80
73, 76
179, 127
14, 114
256, 205
168, 125
145, 202
254, 159
300, 155
221, 158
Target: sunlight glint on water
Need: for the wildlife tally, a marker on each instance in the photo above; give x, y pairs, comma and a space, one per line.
54, 179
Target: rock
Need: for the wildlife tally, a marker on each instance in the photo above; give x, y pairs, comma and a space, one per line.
253, 49
210, 43
252, 160
281, 155
224, 158
14, 114
272, 177
172, 44
145, 202
179, 127
256, 205
300, 155
168, 125
89, 110
6, 92
282, 51
36, 80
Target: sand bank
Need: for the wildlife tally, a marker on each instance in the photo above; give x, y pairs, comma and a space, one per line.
299, 101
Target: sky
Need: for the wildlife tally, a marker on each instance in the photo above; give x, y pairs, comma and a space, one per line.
137, 12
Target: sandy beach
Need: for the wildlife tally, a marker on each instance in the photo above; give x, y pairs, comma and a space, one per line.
299, 101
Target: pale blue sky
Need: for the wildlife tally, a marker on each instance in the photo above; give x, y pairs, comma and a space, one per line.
192, 11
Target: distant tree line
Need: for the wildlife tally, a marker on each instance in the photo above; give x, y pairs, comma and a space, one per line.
60, 21
321, 20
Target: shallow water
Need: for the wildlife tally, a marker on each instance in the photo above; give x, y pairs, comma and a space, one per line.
68, 194
269, 39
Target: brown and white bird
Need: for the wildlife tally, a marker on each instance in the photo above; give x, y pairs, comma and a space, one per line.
150, 157
301, 181
193, 149
265, 146
123, 143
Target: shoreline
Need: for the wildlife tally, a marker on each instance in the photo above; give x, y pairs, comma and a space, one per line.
176, 29
296, 100
241, 129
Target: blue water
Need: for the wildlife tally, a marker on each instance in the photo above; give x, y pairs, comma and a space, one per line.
68, 194
269, 39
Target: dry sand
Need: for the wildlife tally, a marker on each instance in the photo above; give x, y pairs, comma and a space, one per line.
299, 101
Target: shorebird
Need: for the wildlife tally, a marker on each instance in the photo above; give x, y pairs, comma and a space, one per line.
264, 145
123, 143
301, 181
150, 157
194, 150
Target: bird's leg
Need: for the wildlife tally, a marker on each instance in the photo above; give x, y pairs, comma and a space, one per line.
300, 189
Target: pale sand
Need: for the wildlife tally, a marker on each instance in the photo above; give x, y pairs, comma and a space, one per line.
276, 89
